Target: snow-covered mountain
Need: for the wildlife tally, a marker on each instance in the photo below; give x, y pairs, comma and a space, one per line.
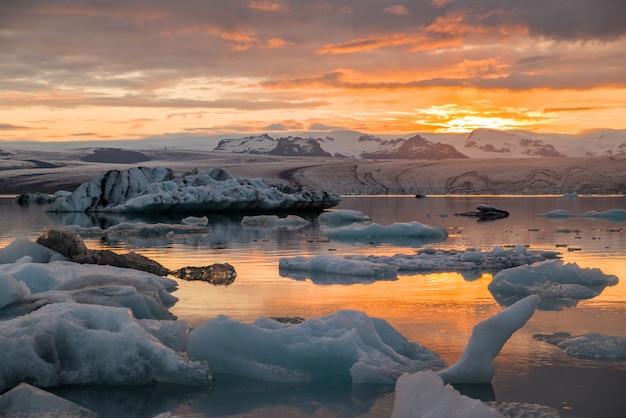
365, 146
500, 143
265, 144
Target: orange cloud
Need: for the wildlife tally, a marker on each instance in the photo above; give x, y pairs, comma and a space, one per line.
267, 6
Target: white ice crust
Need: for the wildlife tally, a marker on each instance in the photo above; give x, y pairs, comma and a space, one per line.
425, 395
143, 189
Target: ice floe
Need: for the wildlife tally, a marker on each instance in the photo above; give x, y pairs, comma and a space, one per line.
143, 189
425, 395
70, 343
334, 269
559, 285
615, 215
361, 268
592, 346
345, 346
407, 233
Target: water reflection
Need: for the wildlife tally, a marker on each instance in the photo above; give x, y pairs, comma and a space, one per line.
437, 310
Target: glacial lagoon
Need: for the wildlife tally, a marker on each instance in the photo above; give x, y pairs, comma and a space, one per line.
436, 309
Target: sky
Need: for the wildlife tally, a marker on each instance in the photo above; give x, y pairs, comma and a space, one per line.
120, 69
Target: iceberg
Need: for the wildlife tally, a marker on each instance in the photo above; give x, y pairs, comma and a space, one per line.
409, 232
558, 284
345, 346
591, 346
25, 400
425, 395
487, 339
145, 294
430, 259
154, 190
74, 344
615, 215
329, 265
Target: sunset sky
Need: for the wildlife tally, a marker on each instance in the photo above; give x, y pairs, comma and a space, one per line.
121, 69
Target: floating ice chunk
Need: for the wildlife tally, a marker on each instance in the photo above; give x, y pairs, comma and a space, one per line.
552, 280
487, 339
11, 290
345, 346
25, 400
341, 217
455, 260
69, 343
333, 265
20, 247
425, 395
615, 215
592, 346
146, 189
394, 232
193, 220
147, 294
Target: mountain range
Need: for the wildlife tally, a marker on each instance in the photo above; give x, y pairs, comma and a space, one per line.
480, 143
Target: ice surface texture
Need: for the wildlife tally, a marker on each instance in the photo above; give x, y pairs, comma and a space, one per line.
70, 343
558, 284
592, 346
347, 345
143, 189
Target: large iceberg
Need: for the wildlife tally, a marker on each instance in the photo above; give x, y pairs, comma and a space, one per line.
345, 346
143, 189
145, 294
70, 343
558, 284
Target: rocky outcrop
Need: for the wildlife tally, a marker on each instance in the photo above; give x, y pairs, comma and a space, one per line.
72, 247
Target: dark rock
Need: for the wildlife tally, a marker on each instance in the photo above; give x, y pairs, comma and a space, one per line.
223, 274
486, 213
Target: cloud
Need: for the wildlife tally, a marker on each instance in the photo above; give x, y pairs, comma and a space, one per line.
398, 9
9, 127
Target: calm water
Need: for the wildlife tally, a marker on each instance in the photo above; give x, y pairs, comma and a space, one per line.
437, 310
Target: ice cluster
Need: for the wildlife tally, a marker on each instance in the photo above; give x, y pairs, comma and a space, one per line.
408, 233
615, 215
144, 189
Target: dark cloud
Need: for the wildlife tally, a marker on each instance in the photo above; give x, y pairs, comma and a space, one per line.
77, 49
9, 127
